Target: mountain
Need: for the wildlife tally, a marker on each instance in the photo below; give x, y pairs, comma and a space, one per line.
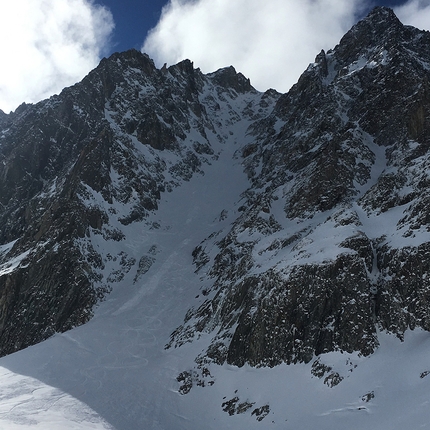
81, 167
332, 240
196, 254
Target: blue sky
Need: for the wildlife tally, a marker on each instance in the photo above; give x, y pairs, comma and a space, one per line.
134, 18
47, 45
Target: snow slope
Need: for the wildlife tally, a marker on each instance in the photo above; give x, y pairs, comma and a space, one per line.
114, 372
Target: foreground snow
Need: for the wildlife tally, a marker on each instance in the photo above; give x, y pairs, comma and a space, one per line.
387, 391
26, 402
115, 373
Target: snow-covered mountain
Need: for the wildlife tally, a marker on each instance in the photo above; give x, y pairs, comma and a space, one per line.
185, 252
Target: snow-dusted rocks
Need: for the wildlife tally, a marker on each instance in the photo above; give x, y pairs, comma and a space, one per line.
332, 240
78, 169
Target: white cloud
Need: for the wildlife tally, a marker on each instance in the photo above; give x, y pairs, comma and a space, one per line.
270, 41
416, 13
47, 45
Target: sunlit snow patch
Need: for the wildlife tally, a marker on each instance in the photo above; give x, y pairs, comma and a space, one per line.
26, 403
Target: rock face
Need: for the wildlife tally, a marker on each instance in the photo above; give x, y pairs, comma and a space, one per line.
332, 239
78, 169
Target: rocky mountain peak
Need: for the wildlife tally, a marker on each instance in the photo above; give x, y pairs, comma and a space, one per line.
380, 21
380, 16
229, 78
130, 58
185, 66
381, 29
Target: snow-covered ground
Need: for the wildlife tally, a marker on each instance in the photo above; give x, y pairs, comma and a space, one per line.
26, 402
115, 373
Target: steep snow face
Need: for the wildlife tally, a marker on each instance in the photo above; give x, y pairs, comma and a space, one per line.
123, 345
205, 124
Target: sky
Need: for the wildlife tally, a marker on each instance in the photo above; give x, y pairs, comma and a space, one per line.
46, 45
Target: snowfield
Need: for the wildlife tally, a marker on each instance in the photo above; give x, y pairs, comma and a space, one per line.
26, 402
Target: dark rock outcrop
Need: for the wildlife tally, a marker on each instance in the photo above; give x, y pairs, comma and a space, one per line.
340, 167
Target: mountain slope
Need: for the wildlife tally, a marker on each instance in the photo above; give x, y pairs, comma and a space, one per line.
81, 167
289, 230
117, 365
332, 241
